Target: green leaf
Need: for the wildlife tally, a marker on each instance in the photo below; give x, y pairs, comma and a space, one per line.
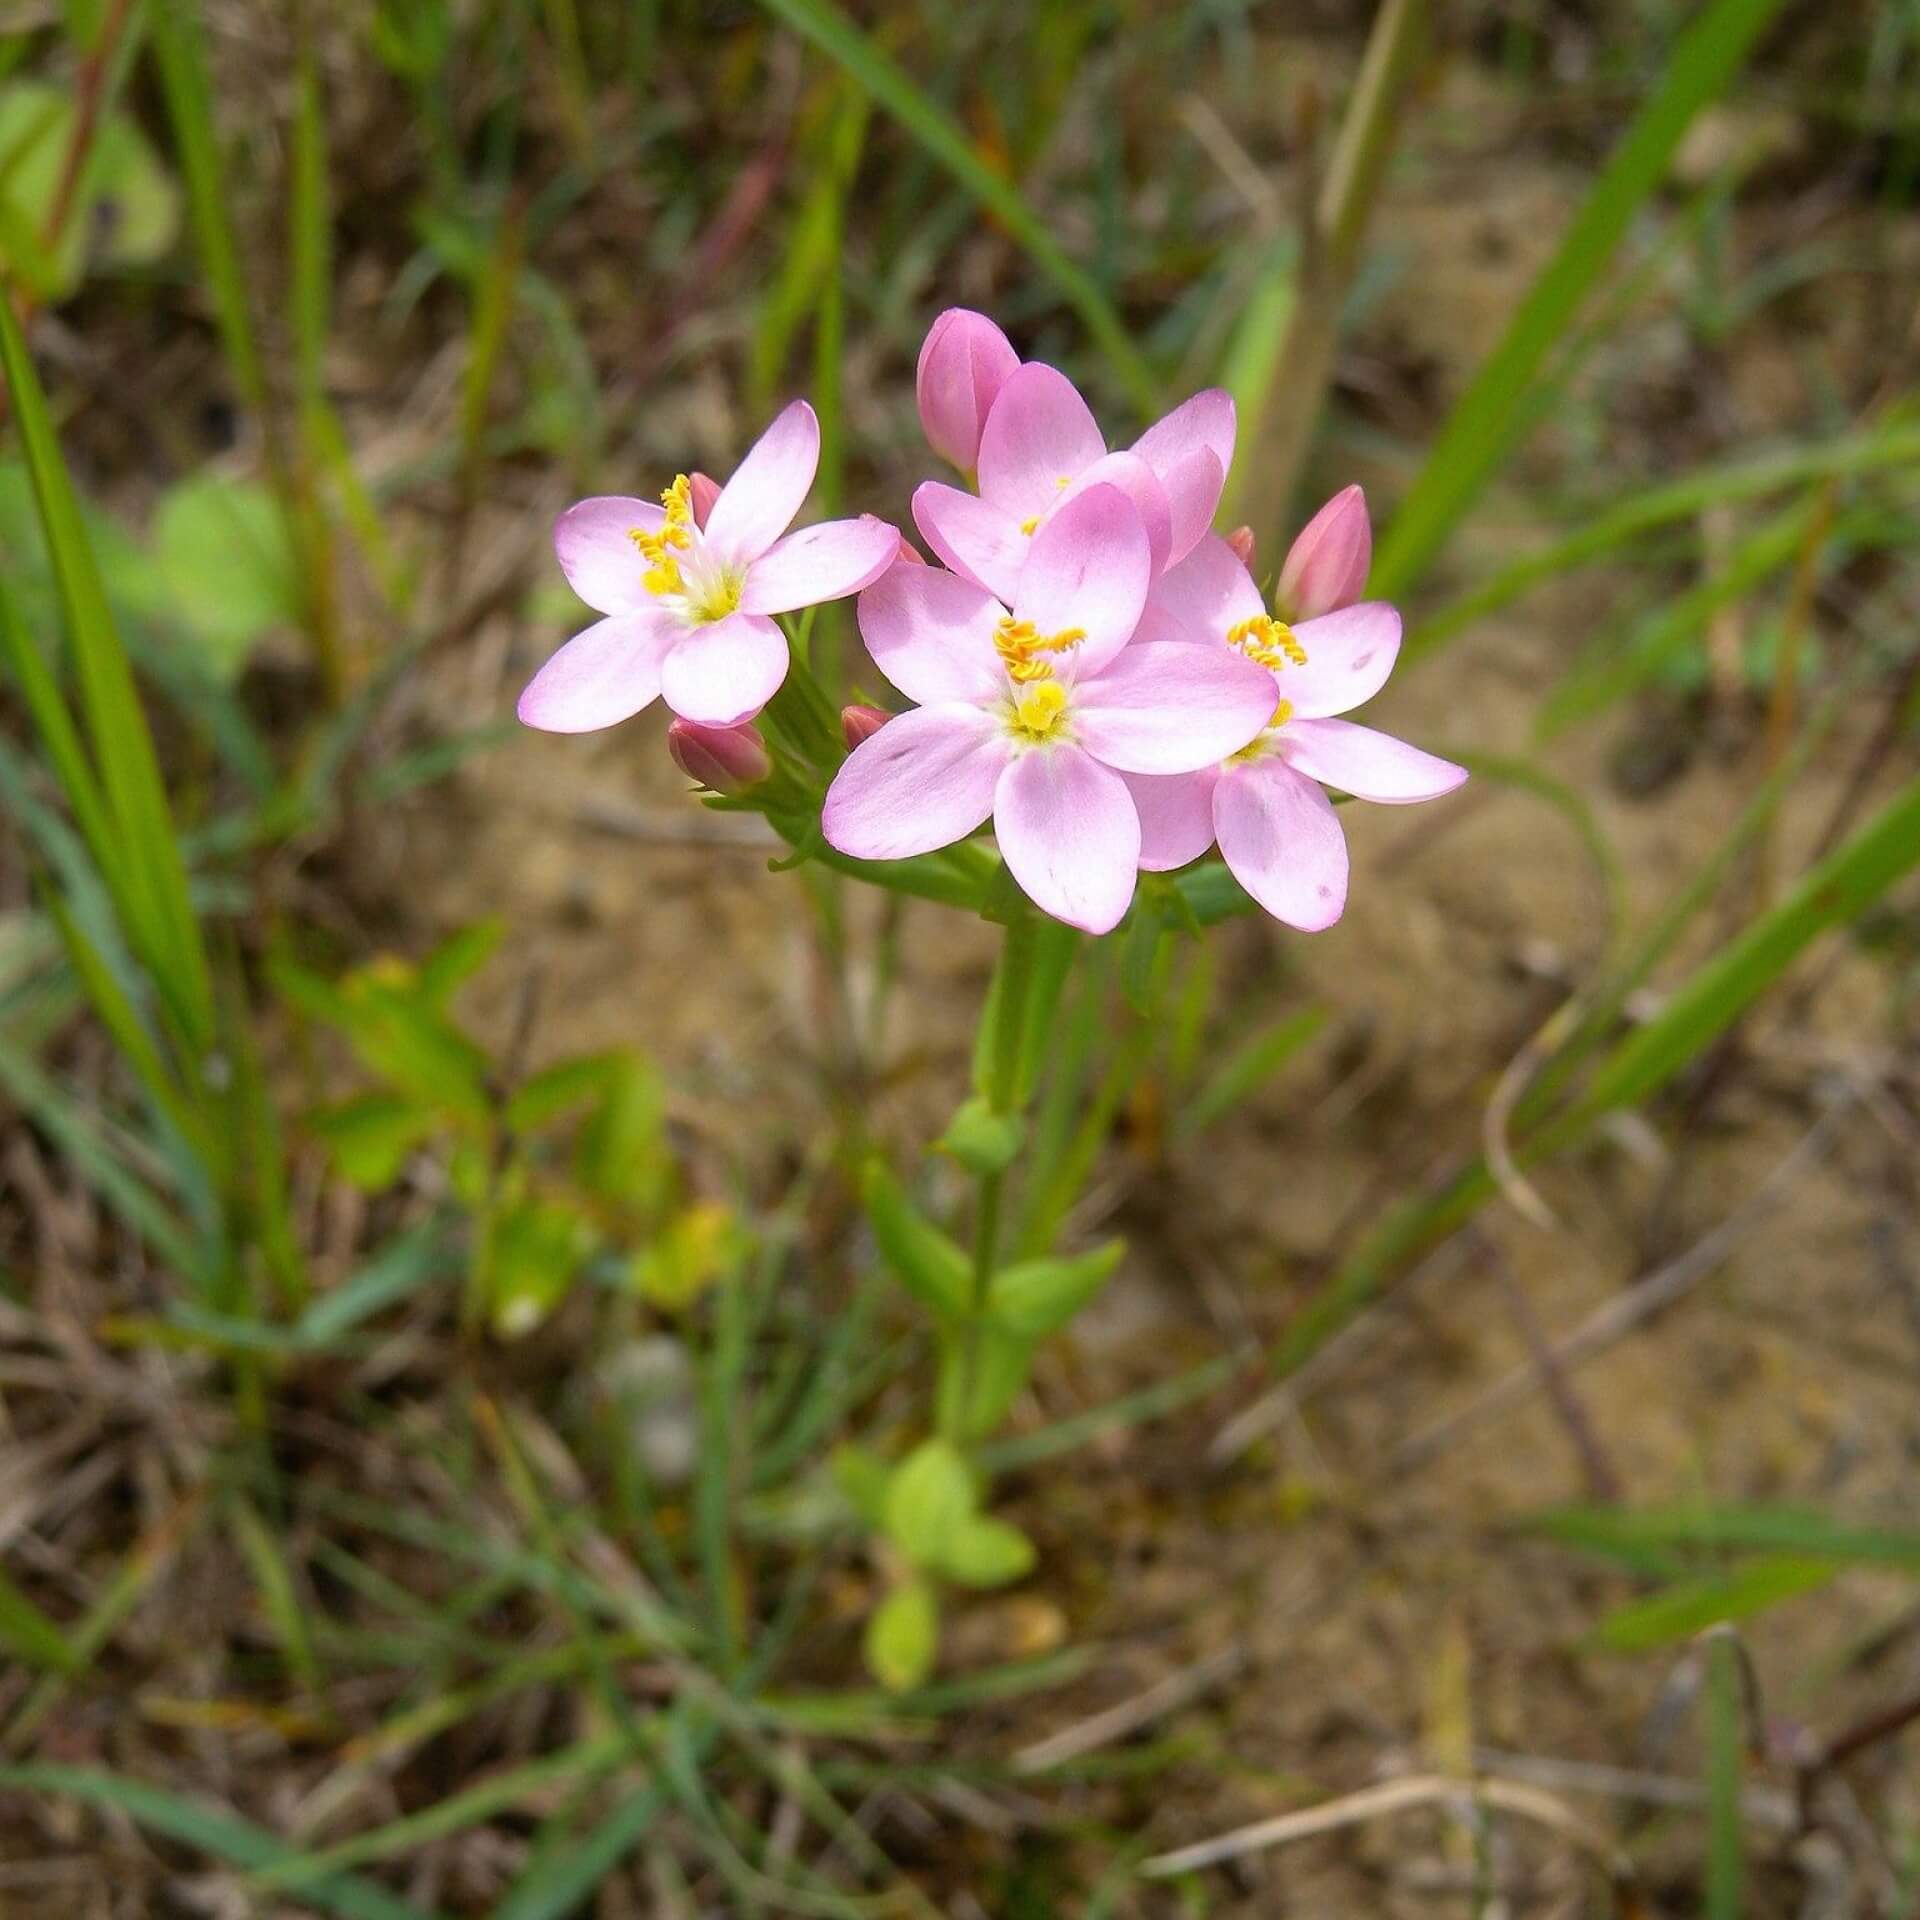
903, 1637
929, 1265
930, 1497
862, 1476
1480, 433
1248, 1069
371, 1137
543, 1097
987, 1553
30, 1636
532, 1252
457, 959
213, 1831
1002, 1363
1679, 1613
621, 1155
1805, 1532
1726, 1848
980, 1139
396, 1272
222, 547
1038, 1297
842, 40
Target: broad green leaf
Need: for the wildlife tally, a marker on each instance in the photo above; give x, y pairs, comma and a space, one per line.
621, 1155
532, 1252
371, 1137
987, 1553
222, 547
903, 1637
1038, 1297
930, 1497
698, 1246
928, 1264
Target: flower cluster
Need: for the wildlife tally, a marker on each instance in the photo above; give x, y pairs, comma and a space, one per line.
1092, 668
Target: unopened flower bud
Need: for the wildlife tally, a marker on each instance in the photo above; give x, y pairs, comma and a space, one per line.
721, 759
1241, 541
861, 723
1327, 565
703, 491
964, 363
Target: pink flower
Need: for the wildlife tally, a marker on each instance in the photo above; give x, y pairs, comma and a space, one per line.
688, 603
1031, 713
1277, 830
721, 759
1041, 447
964, 363
1326, 567
858, 724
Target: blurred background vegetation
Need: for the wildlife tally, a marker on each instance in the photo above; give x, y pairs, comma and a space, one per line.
434, 1296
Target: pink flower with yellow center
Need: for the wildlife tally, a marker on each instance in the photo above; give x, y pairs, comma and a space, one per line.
688, 588
1263, 803
1032, 712
1041, 447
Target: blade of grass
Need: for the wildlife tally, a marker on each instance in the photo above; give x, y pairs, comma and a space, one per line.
213, 1831
141, 849
945, 141
30, 1636
1731, 1528
1725, 1837
1478, 434
1680, 1612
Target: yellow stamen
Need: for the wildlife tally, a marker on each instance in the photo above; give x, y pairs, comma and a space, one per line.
1038, 713
1267, 641
1019, 641
1027, 526
657, 549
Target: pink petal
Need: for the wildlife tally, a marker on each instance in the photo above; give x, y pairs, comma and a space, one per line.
1367, 764
1088, 568
1038, 436
757, 505
1176, 817
1209, 592
931, 634
601, 676
1193, 485
1326, 567
1164, 708
1069, 835
964, 363
596, 553
725, 673
826, 562
1349, 656
925, 780
1281, 839
979, 541
1138, 482
1204, 423
702, 491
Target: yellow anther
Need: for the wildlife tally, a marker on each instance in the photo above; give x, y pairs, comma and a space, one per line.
1281, 714
1019, 644
1039, 710
1027, 526
1268, 642
1064, 482
676, 532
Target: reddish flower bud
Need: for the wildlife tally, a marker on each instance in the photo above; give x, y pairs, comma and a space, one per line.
1327, 565
862, 723
909, 554
1241, 541
721, 759
964, 363
703, 491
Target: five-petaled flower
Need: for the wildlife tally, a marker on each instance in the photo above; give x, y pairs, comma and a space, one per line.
689, 594
1031, 710
1277, 830
1041, 447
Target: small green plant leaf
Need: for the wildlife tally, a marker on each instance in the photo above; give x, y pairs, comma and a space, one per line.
371, 1137
862, 1476
1038, 1297
986, 1552
930, 1498
222, 548
929, 1265
532, 1251
903, 1637
30, 1636
1680, 1612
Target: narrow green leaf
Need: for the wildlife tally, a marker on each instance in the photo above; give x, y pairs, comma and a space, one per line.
213, 1831
841, 39
1726, 1846
1804, 1532
1244, 1072
927, 1263
29, 1636
1478, 434
1038, 1297
1681, 1612
280, 1599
